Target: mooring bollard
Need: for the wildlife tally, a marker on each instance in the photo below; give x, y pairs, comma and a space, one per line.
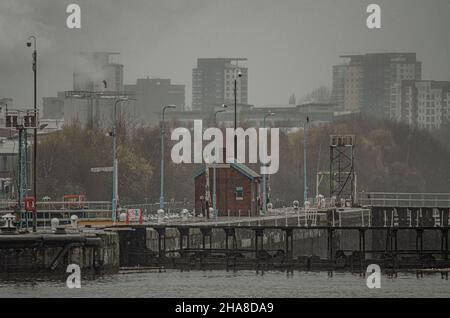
9, 220
211, 213
160, 215
74, 221
184, 214
54, 223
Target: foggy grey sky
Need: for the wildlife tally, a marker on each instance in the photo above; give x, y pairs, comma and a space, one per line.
291, 44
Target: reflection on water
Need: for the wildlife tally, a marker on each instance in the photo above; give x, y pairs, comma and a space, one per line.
224, 284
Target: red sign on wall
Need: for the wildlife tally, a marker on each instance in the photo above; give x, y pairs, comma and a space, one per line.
29, 204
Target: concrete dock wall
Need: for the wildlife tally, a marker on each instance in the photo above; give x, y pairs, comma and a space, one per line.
53, 252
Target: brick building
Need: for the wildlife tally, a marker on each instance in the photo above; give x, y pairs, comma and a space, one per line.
237, 188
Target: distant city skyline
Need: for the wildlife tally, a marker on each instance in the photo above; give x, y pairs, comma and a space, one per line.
291, 46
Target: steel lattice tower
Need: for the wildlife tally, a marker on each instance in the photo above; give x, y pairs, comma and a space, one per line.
342, 173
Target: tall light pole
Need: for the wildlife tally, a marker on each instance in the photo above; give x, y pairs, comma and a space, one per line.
305, 145
115, 196
214, 169
264, 175
115, 163
161, 198
32, 40
235, 115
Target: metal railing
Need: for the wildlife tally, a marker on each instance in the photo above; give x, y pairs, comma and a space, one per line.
418, 200
63, 210
87, 210
169, 207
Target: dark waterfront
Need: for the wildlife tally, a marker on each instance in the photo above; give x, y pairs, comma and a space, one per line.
221, 284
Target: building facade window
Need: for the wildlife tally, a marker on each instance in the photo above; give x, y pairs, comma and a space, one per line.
239, 193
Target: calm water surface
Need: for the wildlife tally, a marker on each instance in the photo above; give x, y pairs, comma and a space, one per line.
225, 284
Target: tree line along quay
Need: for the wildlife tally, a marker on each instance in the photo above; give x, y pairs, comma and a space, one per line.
66, 157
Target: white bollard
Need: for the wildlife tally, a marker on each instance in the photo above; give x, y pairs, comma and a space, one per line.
54, 224
211, 213
184, 214
9, 220
160, 214
74, 221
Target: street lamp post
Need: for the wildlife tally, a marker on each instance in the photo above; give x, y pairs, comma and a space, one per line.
235, 115
115, 163
115, 196
34, 40
161, 199
305, 145
214, 169
264, 175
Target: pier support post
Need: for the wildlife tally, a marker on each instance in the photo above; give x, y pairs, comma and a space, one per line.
289, 243
184, 231
161, 236
206, 232
444, 243
362, 243
188, 241
230, 232
419, 241
259, 233
394, 254
330, 249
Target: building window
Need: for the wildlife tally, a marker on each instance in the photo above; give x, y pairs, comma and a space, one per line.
239, 193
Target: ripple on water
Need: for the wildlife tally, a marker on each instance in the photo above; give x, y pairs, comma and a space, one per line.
221, 284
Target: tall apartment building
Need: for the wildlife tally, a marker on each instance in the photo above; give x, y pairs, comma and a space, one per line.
153, 93
423, 104
93, 69
213, 82
364, 82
